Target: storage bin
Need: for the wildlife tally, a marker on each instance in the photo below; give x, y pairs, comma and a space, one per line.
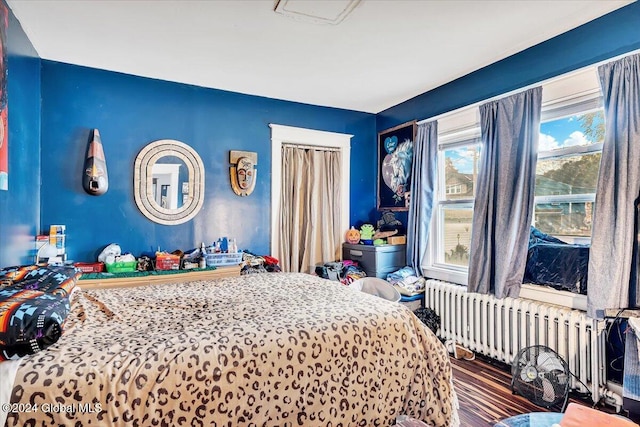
89, 267
219, 259
122, 267
376, 261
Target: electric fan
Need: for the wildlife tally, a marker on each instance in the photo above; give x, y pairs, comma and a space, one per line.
541, 375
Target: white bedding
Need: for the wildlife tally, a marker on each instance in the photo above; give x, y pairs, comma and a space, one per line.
8, 369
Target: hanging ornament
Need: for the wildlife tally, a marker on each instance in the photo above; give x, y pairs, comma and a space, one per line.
95, 180
242, 171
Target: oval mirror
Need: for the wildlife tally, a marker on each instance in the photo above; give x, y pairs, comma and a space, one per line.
168, 180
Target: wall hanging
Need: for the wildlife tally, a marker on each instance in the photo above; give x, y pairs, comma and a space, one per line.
243, 171
168, 182
395, 157
95, 179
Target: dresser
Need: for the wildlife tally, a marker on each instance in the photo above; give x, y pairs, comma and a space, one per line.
187, 276
376, 261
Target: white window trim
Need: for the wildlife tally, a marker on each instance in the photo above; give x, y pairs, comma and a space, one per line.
281, 135
570, 151
434, 268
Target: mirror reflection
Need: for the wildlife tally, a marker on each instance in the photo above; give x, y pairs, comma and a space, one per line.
170, 182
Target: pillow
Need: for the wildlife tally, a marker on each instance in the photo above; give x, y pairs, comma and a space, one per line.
34, 304
55, 279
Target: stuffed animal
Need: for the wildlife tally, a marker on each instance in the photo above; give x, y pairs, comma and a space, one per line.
366, 232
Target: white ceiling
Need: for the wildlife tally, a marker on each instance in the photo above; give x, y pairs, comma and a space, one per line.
384, 53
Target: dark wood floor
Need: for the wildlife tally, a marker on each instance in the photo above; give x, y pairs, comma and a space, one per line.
484, 393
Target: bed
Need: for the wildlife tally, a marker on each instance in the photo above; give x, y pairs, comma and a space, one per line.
275, 349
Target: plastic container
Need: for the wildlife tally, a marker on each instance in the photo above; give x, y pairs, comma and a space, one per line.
221, 259
122, 267
89, 267
378, 287
232, 246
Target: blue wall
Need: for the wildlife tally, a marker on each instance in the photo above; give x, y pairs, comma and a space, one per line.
613, 34
20, 205
131, 112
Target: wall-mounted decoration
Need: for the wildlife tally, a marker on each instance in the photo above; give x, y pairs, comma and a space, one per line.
95, 179
4, 107
168, 182
243, 171
395, 157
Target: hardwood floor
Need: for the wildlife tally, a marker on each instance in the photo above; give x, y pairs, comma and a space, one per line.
484, 393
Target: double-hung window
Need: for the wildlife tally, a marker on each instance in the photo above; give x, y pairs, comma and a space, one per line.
567, 173
458, 162
570, 145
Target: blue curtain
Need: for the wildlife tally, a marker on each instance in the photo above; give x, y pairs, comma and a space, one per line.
503, 205
423, 184
614, 234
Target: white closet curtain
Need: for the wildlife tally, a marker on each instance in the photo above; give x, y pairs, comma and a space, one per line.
309, 208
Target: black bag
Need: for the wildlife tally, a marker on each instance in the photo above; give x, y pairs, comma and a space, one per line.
429, 318
330, 270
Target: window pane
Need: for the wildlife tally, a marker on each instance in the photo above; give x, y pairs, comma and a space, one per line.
579, 130
454, 248
461, 172
577, 174
564, 218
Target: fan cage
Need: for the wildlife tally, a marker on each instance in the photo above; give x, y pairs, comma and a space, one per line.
542, 376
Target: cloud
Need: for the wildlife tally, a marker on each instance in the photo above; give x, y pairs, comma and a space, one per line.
576, 138
463, 158
464, 165
547, 142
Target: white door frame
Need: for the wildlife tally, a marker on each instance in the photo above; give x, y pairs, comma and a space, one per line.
167, 174
281, 135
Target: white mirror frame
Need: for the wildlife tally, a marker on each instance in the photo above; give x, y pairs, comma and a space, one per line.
143, 182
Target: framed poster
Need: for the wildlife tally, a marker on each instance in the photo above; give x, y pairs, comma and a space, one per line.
4, 129
395, 157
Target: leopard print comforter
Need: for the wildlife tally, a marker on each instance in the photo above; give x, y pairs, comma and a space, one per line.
275, 349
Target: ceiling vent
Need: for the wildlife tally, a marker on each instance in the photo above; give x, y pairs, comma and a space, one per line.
316, 11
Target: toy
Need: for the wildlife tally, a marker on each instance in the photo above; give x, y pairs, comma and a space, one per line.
366, 232
352, 236
379, 235
388, 221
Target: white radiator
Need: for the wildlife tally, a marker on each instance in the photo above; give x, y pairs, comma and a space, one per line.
499, 328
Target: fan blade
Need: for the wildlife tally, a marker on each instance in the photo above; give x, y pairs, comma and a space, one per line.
548, 391
549, 362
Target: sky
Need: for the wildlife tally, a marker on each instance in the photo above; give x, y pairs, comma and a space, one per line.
560, 133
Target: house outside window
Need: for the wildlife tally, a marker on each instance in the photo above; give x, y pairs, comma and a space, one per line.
455, 210
567, 174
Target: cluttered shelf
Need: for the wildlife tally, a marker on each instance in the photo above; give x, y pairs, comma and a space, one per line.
125, 280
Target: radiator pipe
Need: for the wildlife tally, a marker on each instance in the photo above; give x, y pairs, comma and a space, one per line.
612, 395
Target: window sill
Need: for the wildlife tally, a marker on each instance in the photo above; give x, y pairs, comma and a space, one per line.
553, 296
533, 292
447, 275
